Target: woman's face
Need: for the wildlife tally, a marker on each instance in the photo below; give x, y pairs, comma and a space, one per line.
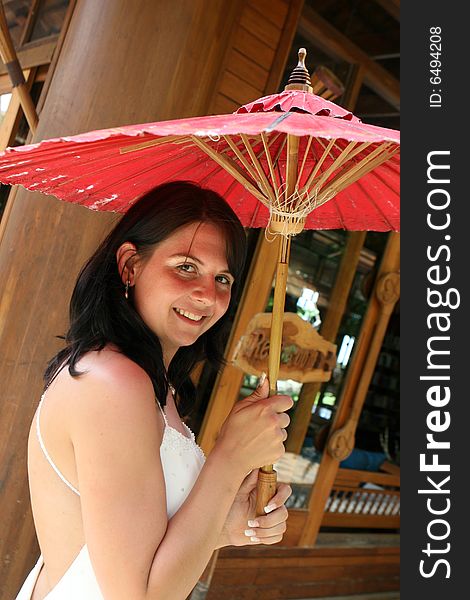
183, 288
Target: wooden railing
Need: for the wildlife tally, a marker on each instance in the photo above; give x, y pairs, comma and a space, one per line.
363, 499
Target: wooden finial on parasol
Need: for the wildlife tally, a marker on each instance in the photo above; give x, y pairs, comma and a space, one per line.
299, 78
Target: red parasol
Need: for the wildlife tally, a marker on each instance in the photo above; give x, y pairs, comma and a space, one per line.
110, 169
285, 162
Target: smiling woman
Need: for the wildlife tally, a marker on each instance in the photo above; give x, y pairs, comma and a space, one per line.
124, 503
193, 289
162, 223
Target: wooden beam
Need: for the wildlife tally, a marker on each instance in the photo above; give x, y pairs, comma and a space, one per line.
334, 569
10, 121
391, 6
30, 22
353, 87
324, 36
35, 54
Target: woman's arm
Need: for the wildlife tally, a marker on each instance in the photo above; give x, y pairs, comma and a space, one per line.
116, 431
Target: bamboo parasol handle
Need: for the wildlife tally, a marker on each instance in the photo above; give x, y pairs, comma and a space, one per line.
267, 483
267, 478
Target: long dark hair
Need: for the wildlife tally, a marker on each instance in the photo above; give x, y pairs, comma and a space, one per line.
100, 314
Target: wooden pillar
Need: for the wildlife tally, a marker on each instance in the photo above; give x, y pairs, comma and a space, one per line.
357, 382
121, 62
329, 330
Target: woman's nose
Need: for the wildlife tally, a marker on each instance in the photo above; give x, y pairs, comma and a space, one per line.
204, 291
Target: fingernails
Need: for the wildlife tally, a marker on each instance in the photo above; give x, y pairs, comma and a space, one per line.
269, 508
254, 539
262, 379
250, 532
253, 524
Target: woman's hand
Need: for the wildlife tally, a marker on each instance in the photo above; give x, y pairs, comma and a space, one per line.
255, 431
243, 528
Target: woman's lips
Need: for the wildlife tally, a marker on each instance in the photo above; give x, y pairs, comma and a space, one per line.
187, 317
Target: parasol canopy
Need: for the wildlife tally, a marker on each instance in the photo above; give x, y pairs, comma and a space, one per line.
348, 171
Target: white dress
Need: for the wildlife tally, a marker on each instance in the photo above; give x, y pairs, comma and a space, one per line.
182, 460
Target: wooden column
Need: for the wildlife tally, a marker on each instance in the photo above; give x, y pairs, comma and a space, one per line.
356, 385
329, 330
121, 62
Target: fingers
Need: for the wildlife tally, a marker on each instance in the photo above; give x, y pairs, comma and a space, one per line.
283, 420
267, 536
262, 391
269, 529
274, 518
280, 403
282, 494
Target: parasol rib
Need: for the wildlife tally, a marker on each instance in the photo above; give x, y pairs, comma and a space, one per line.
270, 162
173, 139
252, 171
258, 167
345, 178
317, 167
278, 154
304, 160
229, 166
337, 162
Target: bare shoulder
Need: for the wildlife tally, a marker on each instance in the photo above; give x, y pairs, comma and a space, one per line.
111, 368
111, 387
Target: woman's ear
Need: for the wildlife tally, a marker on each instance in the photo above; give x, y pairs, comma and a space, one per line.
126, 257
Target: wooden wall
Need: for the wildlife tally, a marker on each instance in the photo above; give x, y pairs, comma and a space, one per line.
256, 61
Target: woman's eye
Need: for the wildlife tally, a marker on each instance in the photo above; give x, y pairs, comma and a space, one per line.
224, 280
187, 268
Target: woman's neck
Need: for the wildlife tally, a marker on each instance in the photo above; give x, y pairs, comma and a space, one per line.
168, 357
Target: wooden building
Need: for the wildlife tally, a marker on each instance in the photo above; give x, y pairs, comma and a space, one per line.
96, 64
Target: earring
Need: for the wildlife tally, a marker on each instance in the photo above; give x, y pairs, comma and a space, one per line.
126, 291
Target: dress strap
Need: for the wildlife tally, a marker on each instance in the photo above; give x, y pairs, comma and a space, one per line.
46, 453
162, 411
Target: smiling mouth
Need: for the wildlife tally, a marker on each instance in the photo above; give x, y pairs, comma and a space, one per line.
189, 315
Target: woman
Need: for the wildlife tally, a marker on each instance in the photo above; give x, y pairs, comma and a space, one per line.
124, 505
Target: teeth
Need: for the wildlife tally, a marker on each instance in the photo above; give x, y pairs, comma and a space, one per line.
188, 315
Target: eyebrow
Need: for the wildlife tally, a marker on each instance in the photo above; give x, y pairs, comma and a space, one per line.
195, 259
